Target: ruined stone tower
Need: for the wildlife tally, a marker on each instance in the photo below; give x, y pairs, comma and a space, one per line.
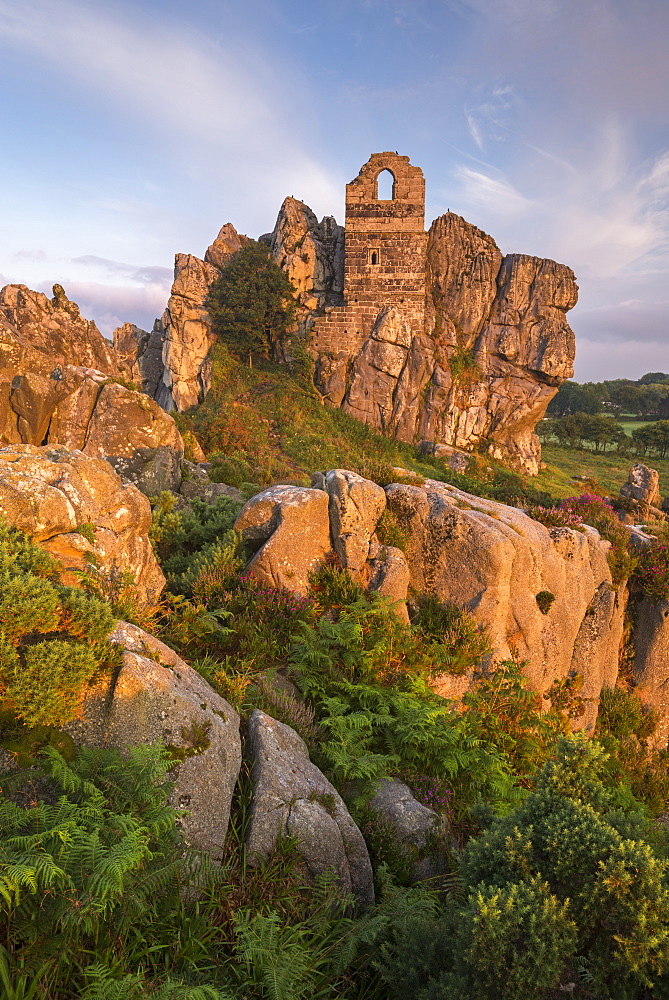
385, 254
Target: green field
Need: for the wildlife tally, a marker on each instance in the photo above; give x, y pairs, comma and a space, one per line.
630, 424
609, 469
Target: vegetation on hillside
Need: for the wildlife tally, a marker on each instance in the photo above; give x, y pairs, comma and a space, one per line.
92, 871
551, 874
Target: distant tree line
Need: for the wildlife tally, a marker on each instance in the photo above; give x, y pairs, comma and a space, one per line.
587, 415
647, 397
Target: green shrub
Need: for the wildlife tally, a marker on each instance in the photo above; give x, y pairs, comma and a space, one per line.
544, 601
552, 886
651, 578
465, 639
179, 537
52, 638
232, 469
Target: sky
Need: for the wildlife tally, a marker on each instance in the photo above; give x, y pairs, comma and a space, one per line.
134, 131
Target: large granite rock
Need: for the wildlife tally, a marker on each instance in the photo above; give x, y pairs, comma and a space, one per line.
142, 354
355, 507
651, 662
291, 525
642, 489
45, 399
421, 833
63, 499
494, 349
494, 560
137, 438
312, 255
292, 798
157, 698
56, 328
186, 327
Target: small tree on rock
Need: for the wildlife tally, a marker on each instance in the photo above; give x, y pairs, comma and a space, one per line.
251, 305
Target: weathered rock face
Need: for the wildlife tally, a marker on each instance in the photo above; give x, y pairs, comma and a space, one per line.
312, 255
298, 528
642, 488
55, 495
56, 328
494, 560
292, 798
158, 698
142, 354
494, 347
150, 456
291, 523
186, 328
44, 399
422, 832
355, 506
651, 664
433, 337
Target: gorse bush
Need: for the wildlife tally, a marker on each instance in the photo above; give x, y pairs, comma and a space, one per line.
561, 883
52, 637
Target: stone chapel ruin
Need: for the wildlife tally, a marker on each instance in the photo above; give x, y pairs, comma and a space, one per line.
431, 337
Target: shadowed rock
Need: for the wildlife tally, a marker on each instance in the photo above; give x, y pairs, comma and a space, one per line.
292, 798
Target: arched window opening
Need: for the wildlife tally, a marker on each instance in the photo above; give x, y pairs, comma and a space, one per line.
375, 257
385, 186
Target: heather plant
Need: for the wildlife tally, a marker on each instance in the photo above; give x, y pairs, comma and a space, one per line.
554, 517
651, 577
598, 512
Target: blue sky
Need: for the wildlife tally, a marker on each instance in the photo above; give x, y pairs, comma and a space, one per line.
132, 131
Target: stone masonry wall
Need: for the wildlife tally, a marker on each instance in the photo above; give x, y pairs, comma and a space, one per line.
385, 255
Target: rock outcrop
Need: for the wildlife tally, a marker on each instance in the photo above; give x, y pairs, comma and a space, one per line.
494, 348
291, 524
142, 354
157, 698
292, 798
297, 529
651, 663
56, 328
420, 832
480, 555
186, 328
642, 490
312, 255
73, 505
494, 560
48, 398
429, 337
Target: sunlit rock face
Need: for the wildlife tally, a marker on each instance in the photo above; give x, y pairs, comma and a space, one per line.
58, 386
432, 337
187, 336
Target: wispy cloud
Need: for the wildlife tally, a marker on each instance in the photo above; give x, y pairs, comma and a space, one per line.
495, 193
142, 275
213, 106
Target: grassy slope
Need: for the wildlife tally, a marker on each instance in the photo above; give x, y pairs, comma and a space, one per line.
278, 423
609, 470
